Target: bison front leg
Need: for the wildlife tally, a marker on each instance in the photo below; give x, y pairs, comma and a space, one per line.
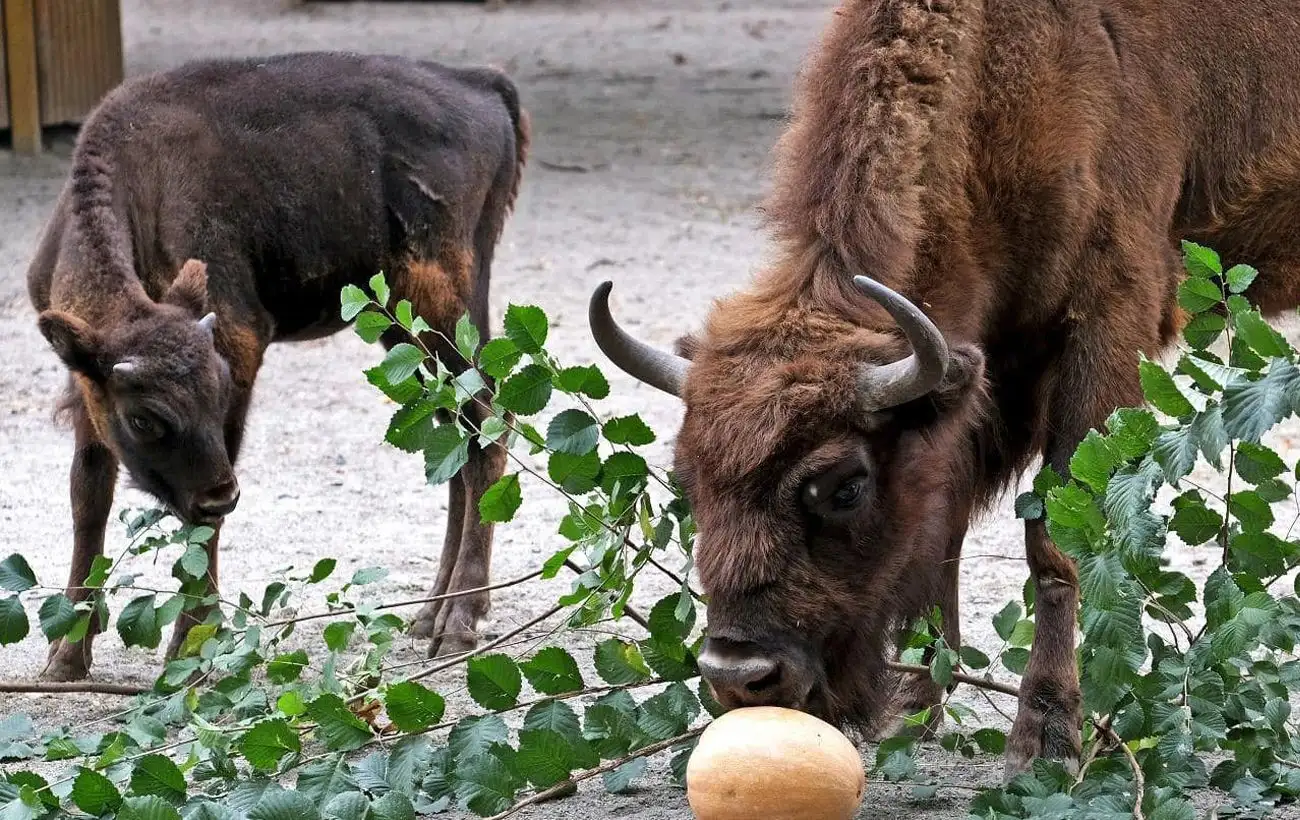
91, 481
1049, 717
425, 621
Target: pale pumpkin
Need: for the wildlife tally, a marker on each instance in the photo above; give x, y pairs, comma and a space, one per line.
767, 763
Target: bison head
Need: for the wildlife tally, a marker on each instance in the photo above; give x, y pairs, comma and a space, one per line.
823, 464
157, 394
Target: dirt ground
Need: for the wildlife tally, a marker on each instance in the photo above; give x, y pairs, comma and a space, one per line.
652, 125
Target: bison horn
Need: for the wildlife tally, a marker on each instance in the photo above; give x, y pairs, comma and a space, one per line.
208, 322
124, 368
666, 371
884, 386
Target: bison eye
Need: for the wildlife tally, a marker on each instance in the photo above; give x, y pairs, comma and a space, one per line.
144, 426
848, 494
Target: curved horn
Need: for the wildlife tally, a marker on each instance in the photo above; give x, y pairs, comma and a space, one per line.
666, 371
208, 322
884, 386
125, 367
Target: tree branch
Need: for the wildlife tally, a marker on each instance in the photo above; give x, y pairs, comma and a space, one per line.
67, 687
565, 785
916, 669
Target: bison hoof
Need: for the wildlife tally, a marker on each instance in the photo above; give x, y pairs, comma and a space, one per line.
426, 621
1051, 734
456, 628
67, 662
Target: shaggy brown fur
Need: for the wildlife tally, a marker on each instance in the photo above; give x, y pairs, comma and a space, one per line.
254, 191
1021, 170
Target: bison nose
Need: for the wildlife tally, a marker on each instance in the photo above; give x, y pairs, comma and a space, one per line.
218, 501
742, 675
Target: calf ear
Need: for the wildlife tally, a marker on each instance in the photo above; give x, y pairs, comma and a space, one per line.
75, 342
189, 289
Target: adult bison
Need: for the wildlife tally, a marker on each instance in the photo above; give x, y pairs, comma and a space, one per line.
219, 207
1002, 181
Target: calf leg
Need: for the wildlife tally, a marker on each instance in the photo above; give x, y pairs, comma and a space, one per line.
456, 625
425, 620
92, 479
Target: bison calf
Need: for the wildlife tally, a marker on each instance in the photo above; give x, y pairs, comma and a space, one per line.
219, 207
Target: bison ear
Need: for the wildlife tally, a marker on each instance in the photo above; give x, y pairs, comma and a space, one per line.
686, 346
74, 341
189, 289
964, 377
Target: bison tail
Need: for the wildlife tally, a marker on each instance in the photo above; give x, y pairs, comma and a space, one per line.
519, 118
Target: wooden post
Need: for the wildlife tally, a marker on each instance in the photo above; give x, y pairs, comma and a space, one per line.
24, 88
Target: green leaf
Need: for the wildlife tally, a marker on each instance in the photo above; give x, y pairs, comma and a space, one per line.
284, 805
16, 574
484, 784
413, 708
95, 794
1257, 464
527, 391
371, 325
1201, 261
574, 432
447, 451
324, 780
628, 471
1193, 521
669, 713
1029, 506
1093, 461
1240, 277
1262, 338
501, 501
1250, 408
338, 634
369, 575
353, 300
346, 806
553, 716
404, 313
467, 337
291, 704
941, 667
620, 663
494, 681
543, 757
287, 668
403, 392
1022, 634
526, 326
1175, 452
620, 779
585, 379
1253, 512
1198, 295
498, 357
553, 671
401, 362
149, 807
475, 735
1004, 623
575, 474
1159, 388
341, 729
58, 616
157, 774
269, 741
323, 569
973, 658
138, 624
393, 806
628, 430
379, 286
1204, 329
412, 427
194, 561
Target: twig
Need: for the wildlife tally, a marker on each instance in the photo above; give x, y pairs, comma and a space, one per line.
65, 687
1139, 782
395, 604
917, 669
1102, 726
565, 785
628, 609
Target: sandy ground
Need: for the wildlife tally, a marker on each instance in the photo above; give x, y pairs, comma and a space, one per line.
653, 124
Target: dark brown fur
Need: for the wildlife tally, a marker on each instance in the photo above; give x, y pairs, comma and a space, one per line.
1021, 170
256, 189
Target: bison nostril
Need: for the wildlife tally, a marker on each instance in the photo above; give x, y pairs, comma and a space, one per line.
220, 500
769, 681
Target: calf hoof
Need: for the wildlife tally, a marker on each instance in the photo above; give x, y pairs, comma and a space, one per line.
67, 661
1052, 734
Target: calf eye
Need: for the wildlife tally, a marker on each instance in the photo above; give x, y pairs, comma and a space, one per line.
848, 494
144, 426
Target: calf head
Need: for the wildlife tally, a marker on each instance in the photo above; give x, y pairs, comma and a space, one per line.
157, 394
820, 459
